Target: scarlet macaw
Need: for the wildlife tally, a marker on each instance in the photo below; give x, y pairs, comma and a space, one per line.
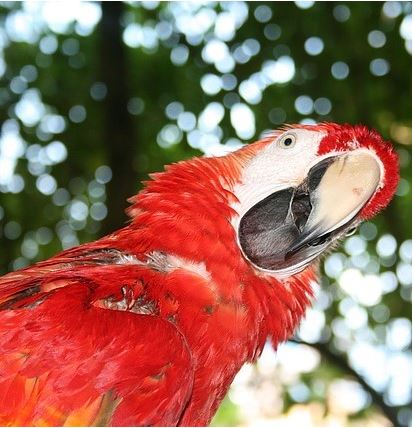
149, 325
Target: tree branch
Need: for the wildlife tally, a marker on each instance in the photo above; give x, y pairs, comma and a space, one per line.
341, 362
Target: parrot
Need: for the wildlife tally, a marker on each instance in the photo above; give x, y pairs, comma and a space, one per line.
149, 325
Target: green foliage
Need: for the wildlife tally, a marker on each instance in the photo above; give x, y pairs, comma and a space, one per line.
227, 415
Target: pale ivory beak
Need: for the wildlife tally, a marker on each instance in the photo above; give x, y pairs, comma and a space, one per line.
345, 188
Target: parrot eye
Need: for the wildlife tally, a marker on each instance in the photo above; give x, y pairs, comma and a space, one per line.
287, 142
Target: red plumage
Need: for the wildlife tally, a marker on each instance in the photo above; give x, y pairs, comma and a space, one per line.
149, 325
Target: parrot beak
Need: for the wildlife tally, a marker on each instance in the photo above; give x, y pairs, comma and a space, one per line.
346, 186
287, 230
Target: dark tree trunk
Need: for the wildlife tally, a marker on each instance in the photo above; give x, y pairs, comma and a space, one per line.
118, 127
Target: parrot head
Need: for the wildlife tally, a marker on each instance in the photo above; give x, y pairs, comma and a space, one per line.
276, 204
304, 187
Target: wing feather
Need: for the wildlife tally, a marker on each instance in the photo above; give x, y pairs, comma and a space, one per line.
77, 350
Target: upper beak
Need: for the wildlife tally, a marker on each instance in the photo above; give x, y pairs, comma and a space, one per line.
345, 187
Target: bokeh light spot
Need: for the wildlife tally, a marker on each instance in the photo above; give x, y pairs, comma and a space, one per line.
211, 84
77, 114
392, 9
304, 104
376, 39
250, 91
404, 274
225, 26
174, 109
340, 70
229, 82
46, 184
304, 4
341, 13
98, 91
263, 13
389, 281
406, 250
280, 71
355, 245
243, 120
48, 44
210, 117
56, 151
379, 67
314, 46
135, 106
368, 230
179, 55
169, 135
186, 121
103, 174
386, 245
323, 106
272, 32
12, 230
29, 72
98, 211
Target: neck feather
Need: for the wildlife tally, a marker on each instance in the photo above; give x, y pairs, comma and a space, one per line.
185, 212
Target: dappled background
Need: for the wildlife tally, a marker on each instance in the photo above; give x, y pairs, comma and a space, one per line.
94, 97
